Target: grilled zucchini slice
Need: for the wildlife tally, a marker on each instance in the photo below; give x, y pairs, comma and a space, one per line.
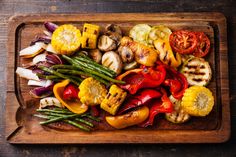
197, 71
178, 115
140, 32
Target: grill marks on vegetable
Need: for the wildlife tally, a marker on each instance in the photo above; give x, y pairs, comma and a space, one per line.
197, 71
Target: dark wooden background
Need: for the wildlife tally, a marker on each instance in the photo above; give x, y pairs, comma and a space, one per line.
12, 7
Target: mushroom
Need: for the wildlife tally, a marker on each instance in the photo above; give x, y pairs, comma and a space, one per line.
113, 28
113, 61
96, 55
105, 43
114, 32
126, 54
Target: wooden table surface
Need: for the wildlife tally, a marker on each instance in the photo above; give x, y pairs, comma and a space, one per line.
12, 7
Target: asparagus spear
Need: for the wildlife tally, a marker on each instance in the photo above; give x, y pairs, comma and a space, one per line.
88, 60
54, 111
84, 121
56, 119
59, 74
77, 125
93, 67
74, 72
77, 64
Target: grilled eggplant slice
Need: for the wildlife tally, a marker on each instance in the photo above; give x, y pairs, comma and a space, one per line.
197, 71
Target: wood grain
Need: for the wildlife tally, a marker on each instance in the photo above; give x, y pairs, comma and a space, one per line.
215, 127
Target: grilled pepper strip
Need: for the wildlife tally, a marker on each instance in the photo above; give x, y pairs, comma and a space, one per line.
166, 55
129, 119
147, 77
177, 83
74, 106
159, 106
141, 98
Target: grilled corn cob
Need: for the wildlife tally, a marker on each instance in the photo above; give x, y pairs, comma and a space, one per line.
197, 101
113, 100
66, 39
90, 35
92, 92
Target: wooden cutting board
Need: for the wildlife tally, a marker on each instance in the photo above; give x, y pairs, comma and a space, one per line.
22, 127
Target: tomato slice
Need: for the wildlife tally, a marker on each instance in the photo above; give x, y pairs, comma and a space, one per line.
203, 45
183, 42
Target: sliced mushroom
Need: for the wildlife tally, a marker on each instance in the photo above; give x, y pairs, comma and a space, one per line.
96, 55
105, 43
126, 54
114, 32
113, 61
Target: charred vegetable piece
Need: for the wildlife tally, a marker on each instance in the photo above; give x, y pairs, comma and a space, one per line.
141, 98
66, 39
129, 119
49, 101
178, 115
92, 92
166, 54
112, 61
140, 32
203, 45
158, 106
126, 54
137, 79
105, 43
183, 41
96, 55
90, 35
197, 71
113, 100
176, 81
143, 54
114, 32
197, 101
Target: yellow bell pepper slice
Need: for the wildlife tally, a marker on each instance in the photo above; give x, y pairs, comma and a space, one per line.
166, 54
128, 119
74, 106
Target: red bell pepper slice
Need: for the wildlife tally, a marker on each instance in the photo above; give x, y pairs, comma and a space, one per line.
147, 77
158, 106
70, 92
140, 98
176, 81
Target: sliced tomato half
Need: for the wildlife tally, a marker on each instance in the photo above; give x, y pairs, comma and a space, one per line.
183, 42
203, 45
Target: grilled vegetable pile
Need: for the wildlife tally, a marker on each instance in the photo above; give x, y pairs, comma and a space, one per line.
87, 75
